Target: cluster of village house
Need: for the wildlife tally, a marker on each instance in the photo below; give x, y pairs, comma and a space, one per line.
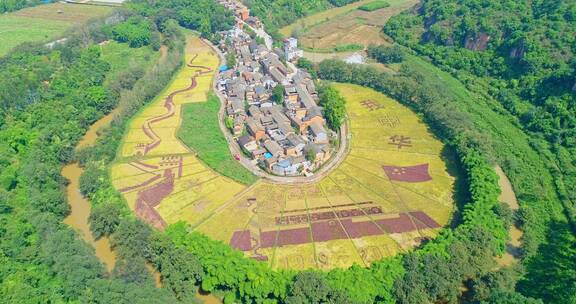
289, 137
241, 12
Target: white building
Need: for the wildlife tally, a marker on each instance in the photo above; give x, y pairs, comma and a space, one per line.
291, 50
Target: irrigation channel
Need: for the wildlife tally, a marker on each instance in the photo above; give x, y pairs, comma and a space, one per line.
80, 210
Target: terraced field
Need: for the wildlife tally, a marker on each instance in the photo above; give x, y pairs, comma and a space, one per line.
391, 192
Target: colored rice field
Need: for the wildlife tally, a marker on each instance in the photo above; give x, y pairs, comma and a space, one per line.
392, 191
160, 177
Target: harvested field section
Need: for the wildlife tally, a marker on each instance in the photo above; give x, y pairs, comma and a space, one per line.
345, 25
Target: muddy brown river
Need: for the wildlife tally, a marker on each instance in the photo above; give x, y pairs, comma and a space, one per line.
80, 210
80, 206
78, 218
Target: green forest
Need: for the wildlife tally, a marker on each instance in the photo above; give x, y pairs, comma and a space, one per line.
14, 5
48, 100
494, 80
204, 16
520, 55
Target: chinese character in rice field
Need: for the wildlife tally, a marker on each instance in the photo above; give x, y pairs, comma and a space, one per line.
389, 121
371, 105
400, 141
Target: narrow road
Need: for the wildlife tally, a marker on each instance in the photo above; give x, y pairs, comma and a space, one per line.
235, 149
268, 41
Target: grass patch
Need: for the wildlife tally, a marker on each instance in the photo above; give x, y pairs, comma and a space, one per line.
121, 57
348, 47
374, 5
201, 132
16, 30
43, 23
338, 49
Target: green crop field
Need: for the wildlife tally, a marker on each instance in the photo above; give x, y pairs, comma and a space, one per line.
200, 131
44, 23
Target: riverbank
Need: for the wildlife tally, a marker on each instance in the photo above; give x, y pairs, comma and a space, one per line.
512, 254
80, 207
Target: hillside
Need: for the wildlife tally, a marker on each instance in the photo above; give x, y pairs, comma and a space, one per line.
526, 48
521, 55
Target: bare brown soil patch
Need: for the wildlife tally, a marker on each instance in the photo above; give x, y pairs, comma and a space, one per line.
354, 27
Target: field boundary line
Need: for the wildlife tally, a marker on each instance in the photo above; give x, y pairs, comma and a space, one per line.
311, 231
369, 217
222, 207
342, 225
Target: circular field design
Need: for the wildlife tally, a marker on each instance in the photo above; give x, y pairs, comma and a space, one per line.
391, 191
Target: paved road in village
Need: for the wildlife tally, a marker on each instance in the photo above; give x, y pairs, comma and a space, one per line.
336, 159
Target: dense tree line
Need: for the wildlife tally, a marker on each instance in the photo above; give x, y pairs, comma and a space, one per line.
333, 105
14, 5
137, 32
204, 16
386, 54
48, 98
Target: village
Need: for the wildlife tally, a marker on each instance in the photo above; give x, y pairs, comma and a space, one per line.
272, 107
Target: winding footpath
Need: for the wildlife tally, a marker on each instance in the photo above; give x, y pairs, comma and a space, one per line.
170, 108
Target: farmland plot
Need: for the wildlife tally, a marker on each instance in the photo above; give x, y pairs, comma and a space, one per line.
44, 23
391, 192
160, 177
345, 26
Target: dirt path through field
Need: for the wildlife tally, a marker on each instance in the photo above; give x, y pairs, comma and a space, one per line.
507, 196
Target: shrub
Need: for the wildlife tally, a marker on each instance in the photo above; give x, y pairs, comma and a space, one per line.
374, 5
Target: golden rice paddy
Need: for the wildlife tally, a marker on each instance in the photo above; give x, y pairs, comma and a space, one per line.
391, 192
151, 148
384, 133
